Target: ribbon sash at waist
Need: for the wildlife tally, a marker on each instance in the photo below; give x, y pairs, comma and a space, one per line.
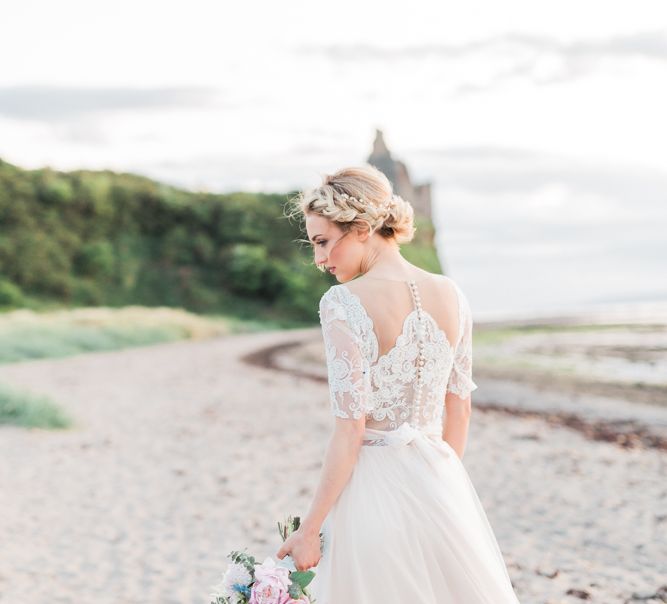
402, 435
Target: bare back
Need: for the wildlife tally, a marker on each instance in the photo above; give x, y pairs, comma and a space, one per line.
389, 302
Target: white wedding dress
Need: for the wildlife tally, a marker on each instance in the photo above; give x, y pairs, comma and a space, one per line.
408, 525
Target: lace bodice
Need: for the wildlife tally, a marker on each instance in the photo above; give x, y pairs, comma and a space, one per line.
408, 382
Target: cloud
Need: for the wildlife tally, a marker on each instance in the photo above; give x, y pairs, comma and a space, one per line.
492, 169
60, 103
647, 44
541, 59
479, 152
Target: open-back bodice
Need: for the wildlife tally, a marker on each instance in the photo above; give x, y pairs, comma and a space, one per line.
394, 348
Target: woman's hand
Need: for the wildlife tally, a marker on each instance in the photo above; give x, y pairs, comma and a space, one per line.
304, 548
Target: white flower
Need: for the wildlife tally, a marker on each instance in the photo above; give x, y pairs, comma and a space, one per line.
235, 573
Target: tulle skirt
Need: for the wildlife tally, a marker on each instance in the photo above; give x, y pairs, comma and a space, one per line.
409, 527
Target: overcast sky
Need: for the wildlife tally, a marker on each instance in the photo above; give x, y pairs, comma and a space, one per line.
520, 113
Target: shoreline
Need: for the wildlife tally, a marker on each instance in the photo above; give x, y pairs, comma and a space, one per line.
613, 313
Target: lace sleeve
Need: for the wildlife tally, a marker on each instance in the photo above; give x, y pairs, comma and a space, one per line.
460, 379
348, 368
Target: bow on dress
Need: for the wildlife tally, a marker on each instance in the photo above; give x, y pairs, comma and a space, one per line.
430, 445
403, 435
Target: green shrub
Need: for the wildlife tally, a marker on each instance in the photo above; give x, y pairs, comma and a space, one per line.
106, 238
10, 294
19, 408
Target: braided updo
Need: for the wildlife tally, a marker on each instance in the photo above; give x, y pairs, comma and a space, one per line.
359, 197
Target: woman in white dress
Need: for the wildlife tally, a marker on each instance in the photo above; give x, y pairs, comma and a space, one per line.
400, 518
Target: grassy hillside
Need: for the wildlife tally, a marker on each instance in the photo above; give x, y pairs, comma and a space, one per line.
89, 238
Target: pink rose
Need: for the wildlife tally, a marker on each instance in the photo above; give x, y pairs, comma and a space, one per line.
271, 584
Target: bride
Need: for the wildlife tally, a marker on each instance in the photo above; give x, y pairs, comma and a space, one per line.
400, 518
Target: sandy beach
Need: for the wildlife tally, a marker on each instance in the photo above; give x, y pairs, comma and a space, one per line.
185, 451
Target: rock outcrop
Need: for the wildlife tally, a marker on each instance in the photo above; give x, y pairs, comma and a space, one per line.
419, 195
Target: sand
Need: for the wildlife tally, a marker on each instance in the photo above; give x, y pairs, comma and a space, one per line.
184, 451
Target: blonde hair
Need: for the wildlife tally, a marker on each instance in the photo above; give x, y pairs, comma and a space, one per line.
359, 197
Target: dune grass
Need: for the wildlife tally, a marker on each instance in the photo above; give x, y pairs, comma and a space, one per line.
27, 410
25, 334
28, 335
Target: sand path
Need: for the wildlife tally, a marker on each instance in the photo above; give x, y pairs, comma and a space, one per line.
183, 452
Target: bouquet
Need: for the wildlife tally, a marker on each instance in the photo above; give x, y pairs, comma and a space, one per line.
246, 581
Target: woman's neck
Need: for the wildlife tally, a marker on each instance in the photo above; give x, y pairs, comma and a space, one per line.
387, 263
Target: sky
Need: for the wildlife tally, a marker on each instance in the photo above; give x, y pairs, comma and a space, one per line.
541, 126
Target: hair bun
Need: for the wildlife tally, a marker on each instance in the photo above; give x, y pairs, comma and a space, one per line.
400, 219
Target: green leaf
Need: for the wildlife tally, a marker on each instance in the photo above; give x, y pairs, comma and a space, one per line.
302, 577
295, 591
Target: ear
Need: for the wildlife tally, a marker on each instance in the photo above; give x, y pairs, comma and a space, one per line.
362, 232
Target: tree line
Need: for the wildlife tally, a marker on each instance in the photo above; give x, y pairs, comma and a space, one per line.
105, 238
